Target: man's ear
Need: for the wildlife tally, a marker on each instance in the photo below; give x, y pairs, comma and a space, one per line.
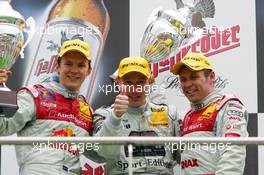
117, 84
57, 67
89, 68
212, 76
121, 86
118, 80
89, 71
58, 62
151, 79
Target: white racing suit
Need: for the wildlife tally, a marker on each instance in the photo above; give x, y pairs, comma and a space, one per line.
217, 116
48, 110
157, 120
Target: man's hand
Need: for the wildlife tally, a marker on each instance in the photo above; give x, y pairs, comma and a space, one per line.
121, 102
4, 74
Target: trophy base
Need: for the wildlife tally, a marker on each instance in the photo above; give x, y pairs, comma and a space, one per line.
8, 103
4, 88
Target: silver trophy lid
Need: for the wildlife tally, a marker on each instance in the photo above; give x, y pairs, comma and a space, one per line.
6, 10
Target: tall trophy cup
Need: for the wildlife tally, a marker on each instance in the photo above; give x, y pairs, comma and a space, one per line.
12, 26
170, 30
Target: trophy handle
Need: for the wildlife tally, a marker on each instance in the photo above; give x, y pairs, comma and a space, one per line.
30, 30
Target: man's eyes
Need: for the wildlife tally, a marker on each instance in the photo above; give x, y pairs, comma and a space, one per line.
138, 83
194, 77
81, 65
190, 78
68, 64
128, 83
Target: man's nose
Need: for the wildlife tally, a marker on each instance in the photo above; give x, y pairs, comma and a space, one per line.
74, 68
187, 83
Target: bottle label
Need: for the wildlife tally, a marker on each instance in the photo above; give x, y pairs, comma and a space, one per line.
56, 32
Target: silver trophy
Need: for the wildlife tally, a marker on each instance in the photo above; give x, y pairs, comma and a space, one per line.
12, 29
171, 30
12, 26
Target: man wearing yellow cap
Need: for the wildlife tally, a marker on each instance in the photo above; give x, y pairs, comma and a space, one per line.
212, 114
133, 114
53, 109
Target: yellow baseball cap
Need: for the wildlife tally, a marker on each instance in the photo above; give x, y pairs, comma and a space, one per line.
134, 64
76, 45
194, 61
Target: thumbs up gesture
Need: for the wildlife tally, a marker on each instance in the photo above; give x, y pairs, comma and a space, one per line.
121, 103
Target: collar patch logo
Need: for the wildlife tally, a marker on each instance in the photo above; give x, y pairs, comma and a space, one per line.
47, 94
85, 111
208, 113
159, 118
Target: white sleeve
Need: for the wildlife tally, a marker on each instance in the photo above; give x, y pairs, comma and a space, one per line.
25, 113
232, 122
107, 124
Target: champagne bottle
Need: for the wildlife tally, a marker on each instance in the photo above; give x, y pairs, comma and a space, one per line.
87, 20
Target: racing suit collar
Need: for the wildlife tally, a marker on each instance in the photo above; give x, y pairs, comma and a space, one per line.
207, 100
143, 110
138, 109
62, 90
